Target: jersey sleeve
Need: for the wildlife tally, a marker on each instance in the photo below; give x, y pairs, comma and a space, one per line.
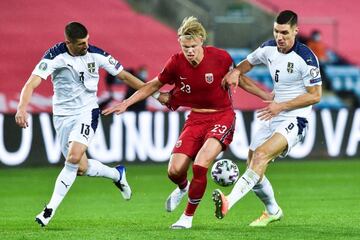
110, 64
167, 74
257, 57
311, 72
229, 62
45, 67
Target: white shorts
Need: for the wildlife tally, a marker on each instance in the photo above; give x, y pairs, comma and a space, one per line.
292, 128
79, 128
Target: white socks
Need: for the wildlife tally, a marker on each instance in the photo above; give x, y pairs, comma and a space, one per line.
97, 169
265, 193
68, 174
63, 183
245, 183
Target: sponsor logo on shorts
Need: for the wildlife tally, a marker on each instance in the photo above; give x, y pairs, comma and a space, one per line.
178, 143
86, 137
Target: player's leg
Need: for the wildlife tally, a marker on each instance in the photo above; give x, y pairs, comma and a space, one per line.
209, 151
294, 131
177, 172
269, 150
94, 168
264, 191
63, 182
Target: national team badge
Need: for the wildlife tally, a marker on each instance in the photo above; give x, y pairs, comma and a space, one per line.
209, 78
43, 66
290, 67
91, 67
178, 143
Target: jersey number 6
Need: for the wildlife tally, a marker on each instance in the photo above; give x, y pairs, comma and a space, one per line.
277, 75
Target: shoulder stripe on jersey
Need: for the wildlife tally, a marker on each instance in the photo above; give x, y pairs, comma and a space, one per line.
269, 43
306, 54
56, 50
93, 49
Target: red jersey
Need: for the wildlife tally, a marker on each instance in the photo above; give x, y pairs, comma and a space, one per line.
198, 86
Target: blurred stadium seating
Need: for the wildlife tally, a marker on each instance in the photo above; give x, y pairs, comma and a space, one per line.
139, 39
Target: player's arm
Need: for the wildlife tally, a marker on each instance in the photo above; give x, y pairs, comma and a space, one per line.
136, 83
130, 79
21, 115
145, 91
232, 77
312, 96
248, 85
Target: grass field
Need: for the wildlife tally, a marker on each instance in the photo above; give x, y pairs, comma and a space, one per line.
321, 200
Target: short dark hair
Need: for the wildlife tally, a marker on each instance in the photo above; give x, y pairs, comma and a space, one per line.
75, 30
287, 17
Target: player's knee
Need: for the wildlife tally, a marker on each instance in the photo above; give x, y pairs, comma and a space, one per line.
174, 173
74, 158
259, 159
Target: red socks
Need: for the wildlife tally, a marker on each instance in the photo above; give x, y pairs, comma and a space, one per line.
197, 188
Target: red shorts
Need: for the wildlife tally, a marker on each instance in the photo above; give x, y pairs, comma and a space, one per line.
201, 126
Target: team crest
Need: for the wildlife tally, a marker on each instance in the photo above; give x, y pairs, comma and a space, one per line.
43, 66
290, 67
209, 78
91, 67
178, 143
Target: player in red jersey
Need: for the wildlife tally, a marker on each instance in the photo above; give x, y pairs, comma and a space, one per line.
196, 72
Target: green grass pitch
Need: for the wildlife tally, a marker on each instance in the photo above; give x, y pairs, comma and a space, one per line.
320, 199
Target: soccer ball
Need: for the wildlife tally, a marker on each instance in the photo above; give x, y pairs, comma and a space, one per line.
225, 172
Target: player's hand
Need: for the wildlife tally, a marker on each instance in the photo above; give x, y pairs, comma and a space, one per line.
117, 109
231, 79
270, 111
164, 98
21, 118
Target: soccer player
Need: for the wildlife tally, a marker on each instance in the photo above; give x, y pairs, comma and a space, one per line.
196, 72
74, 66
297, 86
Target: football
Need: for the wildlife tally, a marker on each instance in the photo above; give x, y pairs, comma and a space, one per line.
225, 172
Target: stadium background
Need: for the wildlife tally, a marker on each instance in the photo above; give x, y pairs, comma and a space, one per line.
142, 34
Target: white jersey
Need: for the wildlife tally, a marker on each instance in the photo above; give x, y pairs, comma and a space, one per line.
75, 78
291, 72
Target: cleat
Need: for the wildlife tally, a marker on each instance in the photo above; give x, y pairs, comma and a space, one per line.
184, 222
122, 184
266, 218
175, 198
221, 204
45, 216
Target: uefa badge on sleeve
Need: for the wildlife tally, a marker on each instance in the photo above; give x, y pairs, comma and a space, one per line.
43, 66
209, 78
314, 72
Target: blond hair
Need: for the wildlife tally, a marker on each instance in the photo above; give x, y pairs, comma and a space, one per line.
192, 28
